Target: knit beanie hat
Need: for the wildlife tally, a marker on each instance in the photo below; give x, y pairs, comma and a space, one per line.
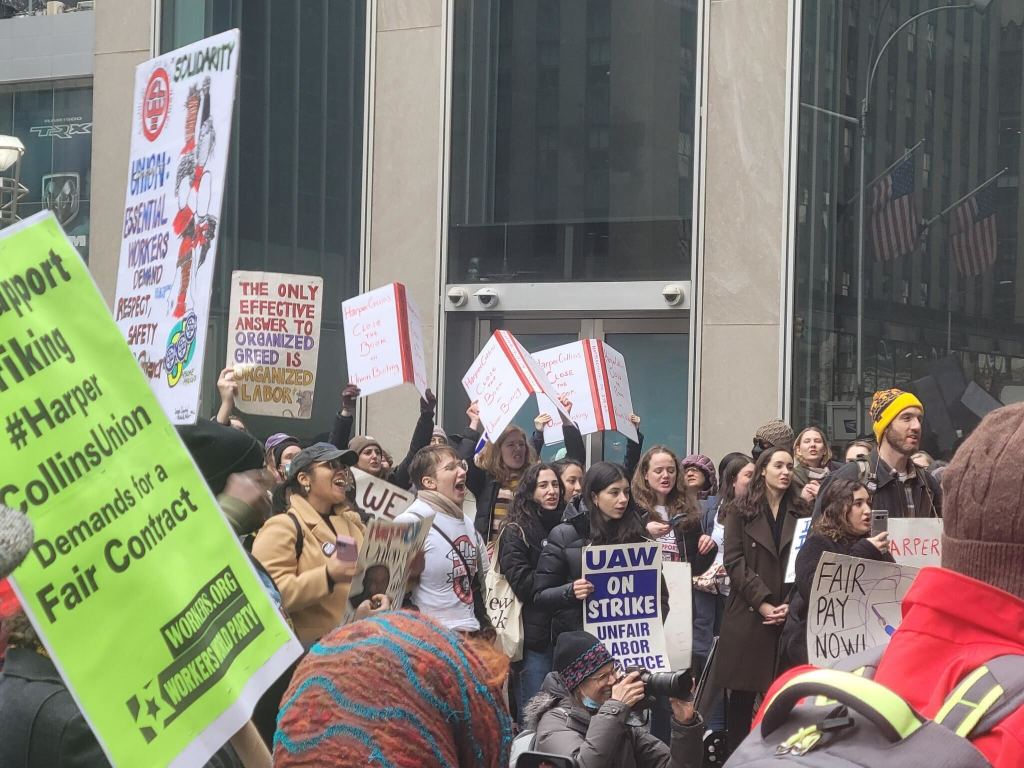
439, 432
578, 655
705, 465
397, 689
983, 503
16, 536
220, 451
775, 433
359, 443
886, 406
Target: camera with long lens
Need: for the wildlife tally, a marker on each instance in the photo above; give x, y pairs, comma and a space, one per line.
657, 685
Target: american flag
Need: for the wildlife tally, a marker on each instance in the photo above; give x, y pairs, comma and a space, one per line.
893, 213
974, 233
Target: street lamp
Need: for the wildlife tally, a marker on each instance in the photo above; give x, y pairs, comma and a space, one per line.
11, 189
979, 6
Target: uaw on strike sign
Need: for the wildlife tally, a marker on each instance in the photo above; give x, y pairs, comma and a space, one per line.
140, 591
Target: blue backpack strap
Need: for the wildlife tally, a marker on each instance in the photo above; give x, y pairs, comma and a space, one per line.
985, 697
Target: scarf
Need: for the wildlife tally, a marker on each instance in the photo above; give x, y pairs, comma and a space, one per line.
440, 503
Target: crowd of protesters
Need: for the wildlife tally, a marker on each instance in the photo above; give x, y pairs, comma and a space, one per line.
423, 683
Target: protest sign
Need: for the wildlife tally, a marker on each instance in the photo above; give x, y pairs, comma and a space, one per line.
803, 528
136, 584
916, 541
502, 379
274, 340
380, 498
593, 376
181, 129
624, 611
384, 559
384, 340
679, 622
854, 605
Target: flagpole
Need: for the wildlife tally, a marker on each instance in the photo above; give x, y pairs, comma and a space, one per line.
968, 196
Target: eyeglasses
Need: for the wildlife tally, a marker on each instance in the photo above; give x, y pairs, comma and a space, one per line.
461, 464
609, 677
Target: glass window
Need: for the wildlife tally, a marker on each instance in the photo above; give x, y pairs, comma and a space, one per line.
295, 171
941, 262
572, 124
54, 122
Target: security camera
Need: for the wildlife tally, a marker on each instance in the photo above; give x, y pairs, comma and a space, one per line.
458, 296
673, 294
488, 298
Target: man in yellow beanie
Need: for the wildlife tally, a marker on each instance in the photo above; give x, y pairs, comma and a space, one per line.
895, 482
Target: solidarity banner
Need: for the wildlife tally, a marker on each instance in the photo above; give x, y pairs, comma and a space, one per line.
274, 340
384, 560
136, 584
501, 381
916, 541
593, 376
181, 129
624, 611
854, 605
803, 528
380, 498
678, 625
384, 340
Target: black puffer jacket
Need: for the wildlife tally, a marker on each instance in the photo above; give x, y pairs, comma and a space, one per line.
519, 550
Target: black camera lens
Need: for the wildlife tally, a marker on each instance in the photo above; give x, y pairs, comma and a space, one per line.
673, 685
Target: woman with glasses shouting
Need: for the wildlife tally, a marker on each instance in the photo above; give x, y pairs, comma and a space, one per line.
300, 548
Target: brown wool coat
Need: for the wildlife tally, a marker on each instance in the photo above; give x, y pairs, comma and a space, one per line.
315, 609
747, 649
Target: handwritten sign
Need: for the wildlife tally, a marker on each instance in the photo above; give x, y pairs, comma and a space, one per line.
384, 340
170, 227
501, 381
854, 605
803, 527
624, 610
679, 622
593, 376
274, 340
916, 541
384, 560
380, 498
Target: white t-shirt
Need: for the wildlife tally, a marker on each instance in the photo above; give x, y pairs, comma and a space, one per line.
444, 591
718, 534
669, 544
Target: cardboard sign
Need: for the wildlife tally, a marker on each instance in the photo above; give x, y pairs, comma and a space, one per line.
803, 528
383, 565
379, 497
593, 376
136, 583
916, 541
384, 340
855, 604
624, 611
502, 379
180, 137
274, 340
679, 622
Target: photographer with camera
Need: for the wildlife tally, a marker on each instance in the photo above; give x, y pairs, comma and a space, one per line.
584, 708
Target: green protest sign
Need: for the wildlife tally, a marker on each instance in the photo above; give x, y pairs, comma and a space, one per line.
142, 594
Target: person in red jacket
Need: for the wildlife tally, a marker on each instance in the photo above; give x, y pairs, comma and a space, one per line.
958, 617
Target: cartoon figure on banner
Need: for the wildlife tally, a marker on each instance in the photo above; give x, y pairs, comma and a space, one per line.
194, 225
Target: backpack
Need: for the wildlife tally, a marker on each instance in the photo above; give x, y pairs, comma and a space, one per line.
848, 719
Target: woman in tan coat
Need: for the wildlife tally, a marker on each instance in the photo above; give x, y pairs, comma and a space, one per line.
758, 533
298, 547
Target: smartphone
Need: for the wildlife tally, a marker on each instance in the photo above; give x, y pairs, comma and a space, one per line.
345, 549
879, 521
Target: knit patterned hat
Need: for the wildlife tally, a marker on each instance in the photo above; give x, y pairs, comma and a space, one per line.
886, 406
705, 465
578, 655
775, 433
395, 690
983, 503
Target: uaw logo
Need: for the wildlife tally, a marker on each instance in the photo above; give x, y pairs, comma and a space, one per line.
62, 193
156, 103
181, 346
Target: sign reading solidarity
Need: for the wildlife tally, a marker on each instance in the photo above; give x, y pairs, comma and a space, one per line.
855, 604
593, 376
131, 550
624, 610
916, 541
501, 380
273, 341
384, 340
380, 498
181, 129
